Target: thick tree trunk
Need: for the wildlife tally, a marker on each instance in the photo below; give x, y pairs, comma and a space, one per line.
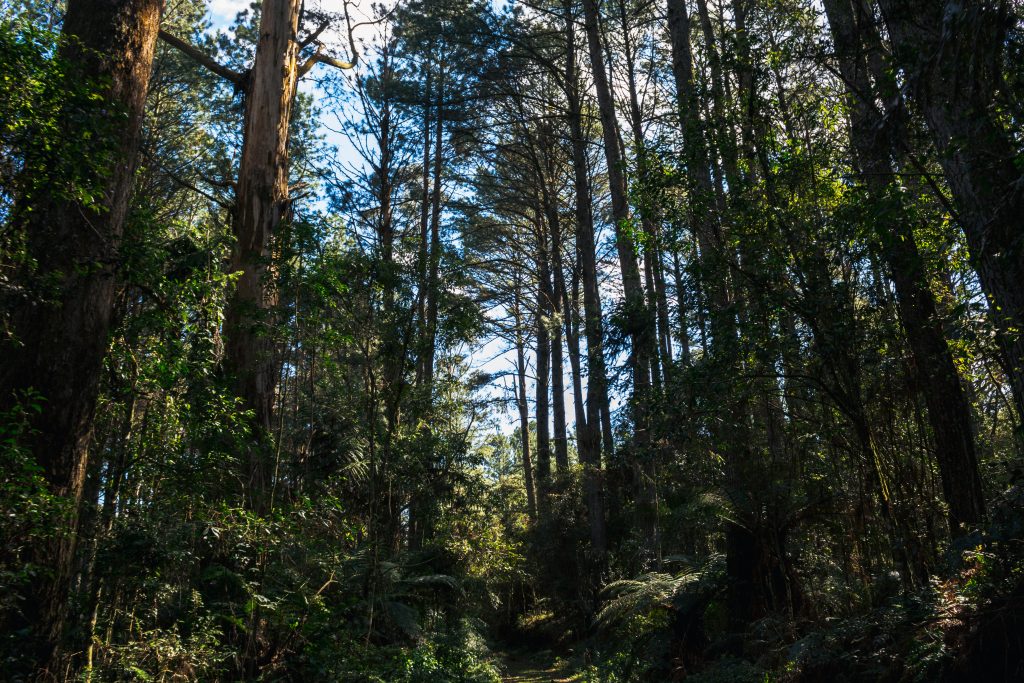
948, 409
61, 338
261, 206
951, 53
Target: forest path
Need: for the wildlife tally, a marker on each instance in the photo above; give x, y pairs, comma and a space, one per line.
543, 667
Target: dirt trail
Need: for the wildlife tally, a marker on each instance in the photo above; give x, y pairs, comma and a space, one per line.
542, 667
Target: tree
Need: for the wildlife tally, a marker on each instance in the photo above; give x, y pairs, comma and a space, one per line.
638, 322
261, 203
323, 354
60, 331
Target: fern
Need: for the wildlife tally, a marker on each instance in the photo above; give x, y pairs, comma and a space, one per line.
399, 595
630, 598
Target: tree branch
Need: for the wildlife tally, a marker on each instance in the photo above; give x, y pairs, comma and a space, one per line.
320, 58
204, 59
308, 40
191, 186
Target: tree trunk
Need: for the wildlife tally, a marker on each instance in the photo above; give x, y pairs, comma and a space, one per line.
62, 337
597, 384
555, 287
560, 433
635, 302
661, 303
524, 408
570, 304
682, 322
423, 250
647, 221
543, 377
433, 274
261, 207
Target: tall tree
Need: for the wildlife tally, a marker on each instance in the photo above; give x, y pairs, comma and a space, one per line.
637, 321
74, 240
262, 204
598, 419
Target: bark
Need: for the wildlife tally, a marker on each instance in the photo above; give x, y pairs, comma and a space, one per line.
948, 408
60, 339
429, 265
423, 252
572, 341
261, 207
701, 191
556, 288
395, 337
433, 274
654, 332
394, 326
724, 137
661, 303
560, 435
951, 53
683, 322
635, 301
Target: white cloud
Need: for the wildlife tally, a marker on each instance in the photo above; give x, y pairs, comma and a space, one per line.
222, 12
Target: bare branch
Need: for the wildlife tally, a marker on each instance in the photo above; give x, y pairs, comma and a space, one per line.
311, 38
320, 58
204, 59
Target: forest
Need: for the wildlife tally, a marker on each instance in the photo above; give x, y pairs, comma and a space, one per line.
483, 341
